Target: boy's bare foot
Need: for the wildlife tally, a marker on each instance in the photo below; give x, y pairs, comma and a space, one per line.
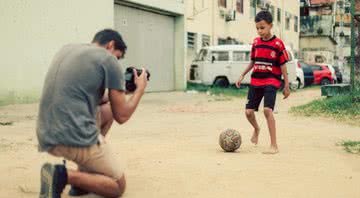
271, 150
255, 137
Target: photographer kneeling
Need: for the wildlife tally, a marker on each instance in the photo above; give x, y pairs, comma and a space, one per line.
74, 116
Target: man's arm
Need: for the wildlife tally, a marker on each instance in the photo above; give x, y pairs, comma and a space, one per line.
105, 98
286, 91
122, 109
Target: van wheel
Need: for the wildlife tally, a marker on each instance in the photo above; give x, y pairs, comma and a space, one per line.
221, 82
325, 81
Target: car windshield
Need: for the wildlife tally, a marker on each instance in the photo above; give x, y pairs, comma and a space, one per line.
202, 55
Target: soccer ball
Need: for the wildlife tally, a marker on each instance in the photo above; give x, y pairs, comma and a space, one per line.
230, 140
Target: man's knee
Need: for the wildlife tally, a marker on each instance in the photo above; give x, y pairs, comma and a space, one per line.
268, 111
122, 186
249, 112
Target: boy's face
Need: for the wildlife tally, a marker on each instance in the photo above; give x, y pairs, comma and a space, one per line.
264, 29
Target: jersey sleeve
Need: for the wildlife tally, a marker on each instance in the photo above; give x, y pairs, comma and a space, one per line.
283, 54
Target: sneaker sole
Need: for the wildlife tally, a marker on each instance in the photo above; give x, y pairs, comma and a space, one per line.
47, 175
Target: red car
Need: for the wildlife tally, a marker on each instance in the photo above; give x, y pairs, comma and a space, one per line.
322, 75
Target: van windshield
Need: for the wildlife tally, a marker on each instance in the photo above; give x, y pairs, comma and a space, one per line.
202, 55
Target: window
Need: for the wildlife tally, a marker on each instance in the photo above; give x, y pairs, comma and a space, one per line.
191, 40
222, 3
316, 68
240, 6
205, 41
287, 20
272, 11
296, 23
222, 41
241, 56
279, 15
252, 8
220, 55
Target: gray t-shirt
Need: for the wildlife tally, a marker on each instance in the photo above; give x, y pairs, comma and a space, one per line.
74, 86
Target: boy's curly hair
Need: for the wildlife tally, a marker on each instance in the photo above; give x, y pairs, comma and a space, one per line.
264, 16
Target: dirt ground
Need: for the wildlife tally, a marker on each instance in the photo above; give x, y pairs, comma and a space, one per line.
170, 149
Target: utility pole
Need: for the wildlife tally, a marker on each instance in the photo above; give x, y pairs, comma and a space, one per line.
353, 46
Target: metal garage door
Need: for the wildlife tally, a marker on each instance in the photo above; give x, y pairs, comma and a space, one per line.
150, 40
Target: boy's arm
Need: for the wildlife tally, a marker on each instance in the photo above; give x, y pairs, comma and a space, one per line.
286, 91
249, 67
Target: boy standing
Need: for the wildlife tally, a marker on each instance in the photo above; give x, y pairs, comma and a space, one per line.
268, 58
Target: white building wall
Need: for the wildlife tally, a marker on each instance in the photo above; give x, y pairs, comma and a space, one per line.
33, 31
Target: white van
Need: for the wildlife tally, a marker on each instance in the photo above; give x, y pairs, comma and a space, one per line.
222, 65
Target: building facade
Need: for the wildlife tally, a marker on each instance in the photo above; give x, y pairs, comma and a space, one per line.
33, 31
325, 31
217, 22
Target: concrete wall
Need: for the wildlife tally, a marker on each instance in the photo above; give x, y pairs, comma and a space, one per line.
327, 56
174, 6
33, 31
317, 46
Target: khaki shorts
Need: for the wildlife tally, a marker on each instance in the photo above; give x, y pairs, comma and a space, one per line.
94, 159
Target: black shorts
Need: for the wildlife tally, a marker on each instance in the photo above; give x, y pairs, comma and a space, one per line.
256, 94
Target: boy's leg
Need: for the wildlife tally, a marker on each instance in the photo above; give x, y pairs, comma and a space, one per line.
255, 96
269, 104
250, 115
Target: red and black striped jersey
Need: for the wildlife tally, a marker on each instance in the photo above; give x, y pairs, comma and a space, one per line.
268, 56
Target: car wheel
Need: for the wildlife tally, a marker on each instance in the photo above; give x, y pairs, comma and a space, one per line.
221, 82
294, 85
325, 81
299, 84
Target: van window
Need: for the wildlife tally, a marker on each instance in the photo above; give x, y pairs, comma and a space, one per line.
220, 55
241, 56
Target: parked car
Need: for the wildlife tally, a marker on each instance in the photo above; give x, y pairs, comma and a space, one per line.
332, 70
322, 75
339, 75
308, 74
222, 65
299, 82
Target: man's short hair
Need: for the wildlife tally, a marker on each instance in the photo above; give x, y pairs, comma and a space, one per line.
264, 16
105, 36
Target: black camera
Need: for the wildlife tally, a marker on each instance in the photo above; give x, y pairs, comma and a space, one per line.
130, 78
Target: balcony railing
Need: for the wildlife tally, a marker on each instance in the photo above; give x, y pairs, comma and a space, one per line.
316, 25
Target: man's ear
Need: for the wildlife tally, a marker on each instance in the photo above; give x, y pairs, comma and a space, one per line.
110, 45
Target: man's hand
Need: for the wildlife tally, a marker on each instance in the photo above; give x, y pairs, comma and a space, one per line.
140, 81
286, 91
238, 82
